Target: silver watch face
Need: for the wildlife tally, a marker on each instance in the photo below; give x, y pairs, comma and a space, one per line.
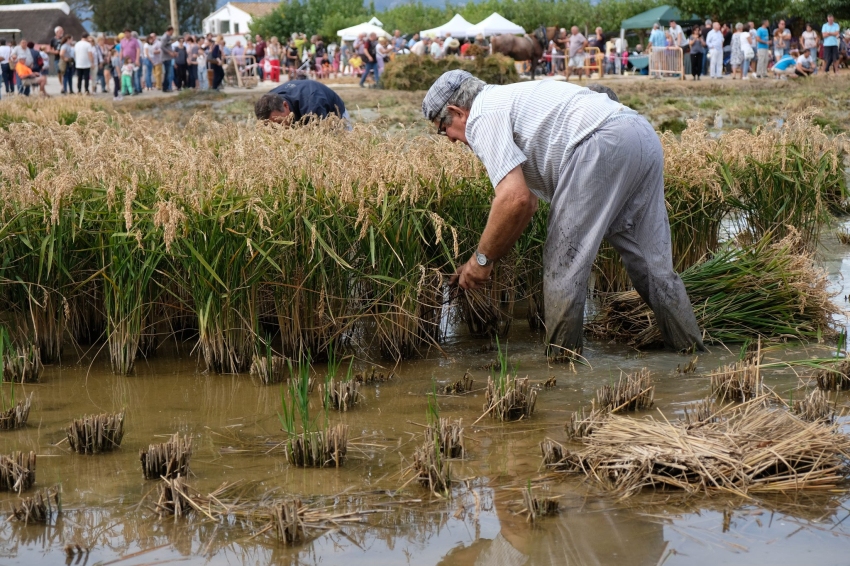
481, 259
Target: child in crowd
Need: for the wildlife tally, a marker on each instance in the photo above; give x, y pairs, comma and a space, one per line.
354, 64
127, 76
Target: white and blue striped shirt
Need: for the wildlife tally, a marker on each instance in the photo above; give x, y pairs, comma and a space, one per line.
537, 125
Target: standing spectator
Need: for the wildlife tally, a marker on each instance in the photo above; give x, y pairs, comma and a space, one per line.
147, 62
273, 54
181, 68
809, 42
6, 67
98, 59
106, 64
192, 63
677, 34
260, 55
697, 48
762, 49
420, 48
413, 41
384, 50
657, 38
714, 42
155, 51
398, 42
238, 53
167, 59
130, 47
451, 46
291, 59
217, 62
436, 48
737, 58
83, 62
748, 49
116, 63
128, 70
830, 32
201, 68
577, 44
53, 49
561, 48
597, 40
370, 52
781, 41
66, 65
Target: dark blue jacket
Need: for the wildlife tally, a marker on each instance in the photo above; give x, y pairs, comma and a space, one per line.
307, 97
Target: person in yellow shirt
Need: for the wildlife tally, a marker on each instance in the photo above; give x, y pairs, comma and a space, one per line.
30, 78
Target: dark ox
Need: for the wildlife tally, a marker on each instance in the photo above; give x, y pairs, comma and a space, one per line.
526, 48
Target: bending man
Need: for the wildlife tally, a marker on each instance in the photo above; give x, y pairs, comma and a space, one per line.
601, 166
293, 101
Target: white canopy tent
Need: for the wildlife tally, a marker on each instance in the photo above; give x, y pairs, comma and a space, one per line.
376, 22
457, 26
494, 24
350, 34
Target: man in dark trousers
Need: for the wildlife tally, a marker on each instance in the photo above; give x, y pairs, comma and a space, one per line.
294, 101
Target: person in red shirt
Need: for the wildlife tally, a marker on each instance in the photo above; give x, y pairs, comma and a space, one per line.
30, 78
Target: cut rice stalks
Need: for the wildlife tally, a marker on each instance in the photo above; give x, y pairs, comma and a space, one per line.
834, 379
22, 364
633, 392
749, 448
340, 395
318, 448
815, 407
173, 498
94, 434
448, 435
701, 412
584, 422
17, 471
17, 415
40, 508
459, 387
270, 369
510, 398
431, 468
537, 507
167, 459
288, 522
740, 381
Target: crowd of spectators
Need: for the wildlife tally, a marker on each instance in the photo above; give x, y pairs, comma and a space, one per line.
128, 64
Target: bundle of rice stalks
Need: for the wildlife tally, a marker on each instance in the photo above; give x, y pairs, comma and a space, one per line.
319, 448
39, 508
17, 471
270, 369
431, 468
554, 455
419, 73
740, 381
174, 498
287, 520
94, 434
767, 290
509, 398
814, 407
22, 364
340, 395
489, 311
15, 416
448, 436
751, 449
633, 392
699, 413
834, 379
584, 422
536, 507
459, 387
167, 459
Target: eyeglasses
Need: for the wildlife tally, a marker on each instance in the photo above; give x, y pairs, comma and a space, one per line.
441, 131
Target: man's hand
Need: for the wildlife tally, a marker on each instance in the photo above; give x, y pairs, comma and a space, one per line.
470, 275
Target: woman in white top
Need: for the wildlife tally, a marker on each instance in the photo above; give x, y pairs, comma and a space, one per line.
810, 42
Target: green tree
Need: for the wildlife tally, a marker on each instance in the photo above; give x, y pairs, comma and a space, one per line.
147, 16
733, 10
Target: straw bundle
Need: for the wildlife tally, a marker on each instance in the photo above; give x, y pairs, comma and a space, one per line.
174, 498
341, 395
633, 392
459, 387
17, 471
814, 407
39, 508
752, 449
318, 449
287, 520
431, 468
740, 381
448, 436
270, 369
509, 398
94, 434
536, 507
16, 416
834, 379
167, 459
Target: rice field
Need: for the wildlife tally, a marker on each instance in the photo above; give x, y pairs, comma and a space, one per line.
278, 311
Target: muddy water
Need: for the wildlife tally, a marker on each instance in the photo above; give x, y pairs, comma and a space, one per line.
233, 421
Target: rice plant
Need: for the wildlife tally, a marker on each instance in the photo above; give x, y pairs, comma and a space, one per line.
508, 397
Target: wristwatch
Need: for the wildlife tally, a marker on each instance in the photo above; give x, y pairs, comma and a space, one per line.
482, 259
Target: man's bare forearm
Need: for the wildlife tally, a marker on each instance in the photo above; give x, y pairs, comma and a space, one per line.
510, 213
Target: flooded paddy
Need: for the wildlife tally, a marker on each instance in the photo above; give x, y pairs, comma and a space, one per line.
233, 421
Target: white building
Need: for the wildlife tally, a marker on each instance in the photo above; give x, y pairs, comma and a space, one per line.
233, 20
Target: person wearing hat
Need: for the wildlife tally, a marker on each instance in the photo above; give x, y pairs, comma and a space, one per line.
293, 101
599, 164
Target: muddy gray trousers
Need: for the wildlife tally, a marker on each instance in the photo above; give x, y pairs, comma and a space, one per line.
612, 187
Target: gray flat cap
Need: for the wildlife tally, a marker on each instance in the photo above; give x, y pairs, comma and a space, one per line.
440, 92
